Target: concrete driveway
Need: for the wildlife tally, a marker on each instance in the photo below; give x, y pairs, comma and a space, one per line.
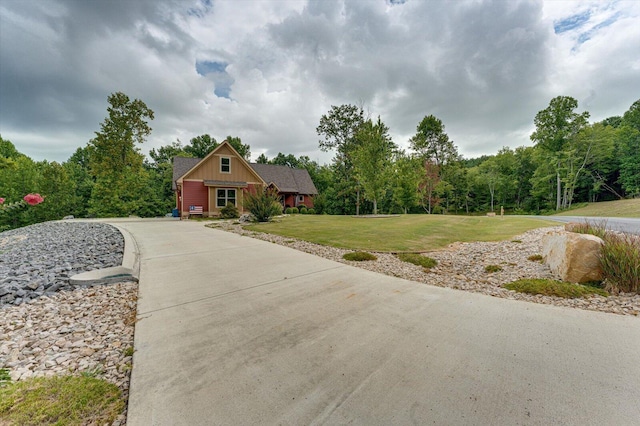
237, 331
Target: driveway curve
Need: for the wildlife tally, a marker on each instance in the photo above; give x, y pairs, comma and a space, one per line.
621, 224
233, 330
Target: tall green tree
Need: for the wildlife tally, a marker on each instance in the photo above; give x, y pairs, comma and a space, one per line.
372, 160
338, 129
432, 143
629, 150
200, 146
116, 162
556, 129
406, 178
438, 153
243, 149
165, 154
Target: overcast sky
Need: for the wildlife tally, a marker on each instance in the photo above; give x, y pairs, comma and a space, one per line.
267, 70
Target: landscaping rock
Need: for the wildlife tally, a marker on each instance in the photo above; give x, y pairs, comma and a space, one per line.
573, 257
245, 218
42, 257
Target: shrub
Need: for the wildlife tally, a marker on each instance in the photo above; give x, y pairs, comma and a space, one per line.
229, 211
311, 211
288, 210
303, 210
301, 206
359, 256
263, 205
492, 268
553, 288
294, 210
417, 259
619, 257
620, 260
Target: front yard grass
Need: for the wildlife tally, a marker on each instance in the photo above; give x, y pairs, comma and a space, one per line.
60, 400
410, 233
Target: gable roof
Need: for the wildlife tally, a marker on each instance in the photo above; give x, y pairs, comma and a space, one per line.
286, 179
196, 162
181, 165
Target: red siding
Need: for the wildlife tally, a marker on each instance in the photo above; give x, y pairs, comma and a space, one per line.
194, 194
308, 201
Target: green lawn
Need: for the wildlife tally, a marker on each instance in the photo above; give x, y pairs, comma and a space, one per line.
621, 208
413, 233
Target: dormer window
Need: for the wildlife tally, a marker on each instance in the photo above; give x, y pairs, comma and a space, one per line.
225, 165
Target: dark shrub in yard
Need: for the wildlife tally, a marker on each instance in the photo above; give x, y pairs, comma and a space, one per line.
229, 211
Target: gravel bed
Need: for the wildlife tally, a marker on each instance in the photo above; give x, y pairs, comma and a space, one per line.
39, 259
461, 266
48, 327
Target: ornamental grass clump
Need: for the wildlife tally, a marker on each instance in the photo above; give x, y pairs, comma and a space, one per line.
598, 229
359, 256
619, 257
263, 205
620, 260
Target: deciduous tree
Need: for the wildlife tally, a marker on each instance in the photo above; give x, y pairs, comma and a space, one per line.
116, 161
372, 160
556, 129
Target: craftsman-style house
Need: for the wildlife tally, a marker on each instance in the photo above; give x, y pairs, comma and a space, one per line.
204, 186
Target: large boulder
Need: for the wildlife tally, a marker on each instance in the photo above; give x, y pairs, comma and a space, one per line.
573, 257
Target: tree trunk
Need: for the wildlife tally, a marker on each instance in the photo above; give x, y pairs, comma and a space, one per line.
558, 190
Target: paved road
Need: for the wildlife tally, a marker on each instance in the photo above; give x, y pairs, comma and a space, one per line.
628, 225
235, 331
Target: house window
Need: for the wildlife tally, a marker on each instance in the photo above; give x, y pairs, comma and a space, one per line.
225, 165
224, 196
301, 198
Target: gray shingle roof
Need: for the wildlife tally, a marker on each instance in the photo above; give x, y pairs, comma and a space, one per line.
182, 165
286, 179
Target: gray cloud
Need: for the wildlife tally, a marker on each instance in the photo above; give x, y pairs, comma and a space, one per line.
267, 71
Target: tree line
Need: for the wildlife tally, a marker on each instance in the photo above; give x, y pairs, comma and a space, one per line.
571, 161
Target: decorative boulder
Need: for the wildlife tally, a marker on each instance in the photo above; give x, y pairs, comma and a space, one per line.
573, 257
245, 218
